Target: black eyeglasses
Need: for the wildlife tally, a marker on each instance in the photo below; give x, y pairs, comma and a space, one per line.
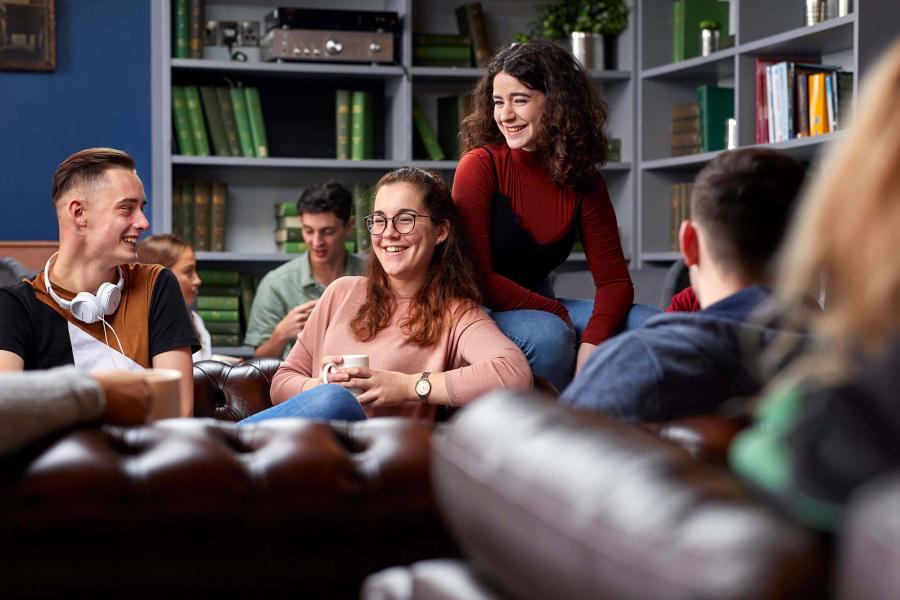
403, 222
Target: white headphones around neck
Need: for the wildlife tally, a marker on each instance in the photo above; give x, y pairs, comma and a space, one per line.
88, 307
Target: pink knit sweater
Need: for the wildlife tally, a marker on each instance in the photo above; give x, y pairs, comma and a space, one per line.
473, 353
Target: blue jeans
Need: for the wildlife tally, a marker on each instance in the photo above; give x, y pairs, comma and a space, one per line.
324, 402
549, 344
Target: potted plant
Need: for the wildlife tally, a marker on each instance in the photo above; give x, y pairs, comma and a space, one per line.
581, 22
709, 36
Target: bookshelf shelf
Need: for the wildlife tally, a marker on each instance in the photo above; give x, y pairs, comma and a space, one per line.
827, 37
245, 257
289, 163
473, 73
679, 162
718, 64
289, 69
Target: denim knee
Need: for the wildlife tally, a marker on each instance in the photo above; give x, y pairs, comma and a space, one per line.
547, 341
329, 402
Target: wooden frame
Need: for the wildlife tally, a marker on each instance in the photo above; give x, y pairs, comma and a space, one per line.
28, 35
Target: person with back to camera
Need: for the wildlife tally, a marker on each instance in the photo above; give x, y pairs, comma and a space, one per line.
171, 252
831, 423
416, 315
527, 183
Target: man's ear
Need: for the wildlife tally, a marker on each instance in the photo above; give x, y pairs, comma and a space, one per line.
75, 211
689, 241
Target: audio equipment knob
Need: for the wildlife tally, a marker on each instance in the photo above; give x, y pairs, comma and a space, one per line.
374, 48
333, 46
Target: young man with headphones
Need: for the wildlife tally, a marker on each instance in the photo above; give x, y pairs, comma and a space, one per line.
91, 306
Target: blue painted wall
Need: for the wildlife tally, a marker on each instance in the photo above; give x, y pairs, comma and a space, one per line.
99, 95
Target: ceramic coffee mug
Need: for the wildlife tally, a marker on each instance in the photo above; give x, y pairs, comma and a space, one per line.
350, 360
166, 391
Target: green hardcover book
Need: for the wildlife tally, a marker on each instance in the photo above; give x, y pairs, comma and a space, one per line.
369, 128
342, 124
257, 125
187, 213
286, 209
208, 314
441, 39
716, 107
228, 121
248, 285
426, 133
224, 339
459, 56
360, 212
219, 290
350, 246
358, 125
218, 212
678, 31
288, 223
218, 302
291, 247
470, 20
242, 121
181, 28
232, 327
196, 29
451, 111
290, 234
688, 30
214, 120
195, 112
219, 277
176, 208
182, 122
202, 193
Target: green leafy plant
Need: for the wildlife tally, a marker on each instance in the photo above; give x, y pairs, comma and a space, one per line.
709, 24
557, 21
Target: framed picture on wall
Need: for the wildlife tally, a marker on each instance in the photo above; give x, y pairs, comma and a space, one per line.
27, 35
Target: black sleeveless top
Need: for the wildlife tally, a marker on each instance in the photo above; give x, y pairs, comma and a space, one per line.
514, 252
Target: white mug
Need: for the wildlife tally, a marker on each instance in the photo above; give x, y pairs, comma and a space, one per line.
350, 360
165, 386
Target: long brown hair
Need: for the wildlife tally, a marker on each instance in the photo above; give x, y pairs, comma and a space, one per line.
845, 235
571, 136
161, 249
450, 280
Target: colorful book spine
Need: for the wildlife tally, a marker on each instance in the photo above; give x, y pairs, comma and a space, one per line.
286, 209
218, 214
257, 125
289, 222
198, 127
342, 124
202, 192
441, 39
443, 56
358, 112
196, 29
228, 121
716, 107
222, 339
830, 105
187, 213
818, 124
218, 315
213, 277
214, 120
218, 302
183, 131
425, 132
470, 20
219, 290
228, 327
181, 29
242, 121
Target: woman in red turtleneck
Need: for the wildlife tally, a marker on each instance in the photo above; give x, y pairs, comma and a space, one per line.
527, 183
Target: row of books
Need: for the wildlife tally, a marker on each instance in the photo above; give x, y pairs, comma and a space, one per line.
701, 126
686, 18
232, 116
442, 50
289, 229
224, 303
199, 213
187, 28
680, 209
799, 99
445, 143
354, 125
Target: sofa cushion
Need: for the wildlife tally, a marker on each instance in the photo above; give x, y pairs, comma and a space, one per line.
233, 392
441, 579
548, 502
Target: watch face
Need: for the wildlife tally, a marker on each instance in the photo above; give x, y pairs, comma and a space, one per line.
423, 387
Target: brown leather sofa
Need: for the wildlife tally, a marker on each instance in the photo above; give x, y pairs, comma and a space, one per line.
547, 502
203, 507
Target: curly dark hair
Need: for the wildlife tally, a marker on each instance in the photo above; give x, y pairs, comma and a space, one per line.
572, 134
451, 277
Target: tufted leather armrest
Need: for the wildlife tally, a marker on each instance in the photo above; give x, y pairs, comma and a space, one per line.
233, 392
705, 437
201, 506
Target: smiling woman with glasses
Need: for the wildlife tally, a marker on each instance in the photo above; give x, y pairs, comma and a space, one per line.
416, 315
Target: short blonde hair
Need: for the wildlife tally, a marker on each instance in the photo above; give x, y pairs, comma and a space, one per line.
162, 249
845, 234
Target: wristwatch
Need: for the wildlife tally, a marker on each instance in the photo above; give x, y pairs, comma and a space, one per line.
423, 387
